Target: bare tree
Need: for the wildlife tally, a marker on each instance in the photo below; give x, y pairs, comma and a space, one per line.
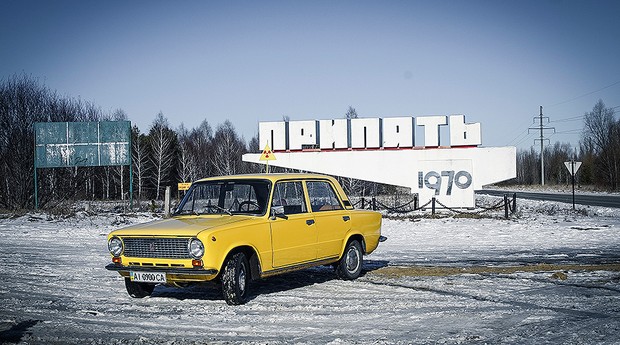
227, 150
253, 168
139, 159
201, 140
162, 142
555, 156
119, 170
527, 163
351, 113
23, 102
253, 144
352, 186
187, 159
600, 135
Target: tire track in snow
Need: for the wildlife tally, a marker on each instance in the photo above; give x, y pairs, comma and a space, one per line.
497, 300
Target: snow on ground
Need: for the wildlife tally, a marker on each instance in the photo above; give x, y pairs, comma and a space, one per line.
543, 231
446, 280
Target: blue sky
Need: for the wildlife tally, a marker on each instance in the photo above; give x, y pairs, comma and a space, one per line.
495, 62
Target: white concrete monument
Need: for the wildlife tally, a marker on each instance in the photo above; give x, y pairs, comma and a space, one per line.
384, 150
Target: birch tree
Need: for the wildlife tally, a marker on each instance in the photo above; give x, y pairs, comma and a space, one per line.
227, 150
162, 142
139, 159
187, 158
119, 170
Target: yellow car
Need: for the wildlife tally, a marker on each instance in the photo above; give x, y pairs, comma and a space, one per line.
236, 229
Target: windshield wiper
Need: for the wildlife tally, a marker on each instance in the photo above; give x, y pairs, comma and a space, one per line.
212, 206
204, 208
181, 212
221, 209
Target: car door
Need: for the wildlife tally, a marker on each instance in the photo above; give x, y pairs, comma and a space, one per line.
332, 220
294, 238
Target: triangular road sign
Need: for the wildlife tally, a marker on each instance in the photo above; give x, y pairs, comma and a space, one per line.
572, 169
267, 154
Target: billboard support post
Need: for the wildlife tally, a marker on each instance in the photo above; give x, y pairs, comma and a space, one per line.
130, 169
36, 189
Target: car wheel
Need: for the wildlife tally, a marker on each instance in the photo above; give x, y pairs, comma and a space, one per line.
350, 265
138, 290
236, 279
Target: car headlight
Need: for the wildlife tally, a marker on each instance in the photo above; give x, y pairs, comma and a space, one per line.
196, 248
115, 246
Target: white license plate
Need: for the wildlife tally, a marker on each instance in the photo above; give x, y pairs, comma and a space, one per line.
148, 277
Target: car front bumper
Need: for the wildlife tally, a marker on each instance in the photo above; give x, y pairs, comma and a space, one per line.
177, 274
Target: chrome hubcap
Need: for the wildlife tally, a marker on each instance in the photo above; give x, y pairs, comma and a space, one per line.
241, 279
353, 260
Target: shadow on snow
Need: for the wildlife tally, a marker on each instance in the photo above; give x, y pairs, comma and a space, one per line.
280, 283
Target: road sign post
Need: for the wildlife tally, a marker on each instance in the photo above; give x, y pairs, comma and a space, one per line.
572, 167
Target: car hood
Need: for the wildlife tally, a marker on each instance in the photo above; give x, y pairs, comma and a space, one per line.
180, 226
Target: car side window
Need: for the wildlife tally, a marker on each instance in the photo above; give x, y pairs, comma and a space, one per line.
322, 196
290, 195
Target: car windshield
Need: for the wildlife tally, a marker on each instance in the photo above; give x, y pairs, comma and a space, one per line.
226, 197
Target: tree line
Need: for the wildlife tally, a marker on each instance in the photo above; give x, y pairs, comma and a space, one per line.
163, 156
599, 152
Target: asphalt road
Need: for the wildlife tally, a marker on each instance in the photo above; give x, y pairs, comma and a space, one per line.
587, 199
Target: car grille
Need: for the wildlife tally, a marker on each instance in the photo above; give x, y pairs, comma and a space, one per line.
167, 248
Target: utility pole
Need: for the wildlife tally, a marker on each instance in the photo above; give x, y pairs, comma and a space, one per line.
542, 140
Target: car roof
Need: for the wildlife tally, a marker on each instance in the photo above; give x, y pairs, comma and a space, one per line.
271, 177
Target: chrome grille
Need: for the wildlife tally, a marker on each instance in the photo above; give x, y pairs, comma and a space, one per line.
167, 248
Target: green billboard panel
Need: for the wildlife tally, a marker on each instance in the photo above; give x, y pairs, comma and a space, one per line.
114, 154
69, 144
83, 132
50, 132
117, 131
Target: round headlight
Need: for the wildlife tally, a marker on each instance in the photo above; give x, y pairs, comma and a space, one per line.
196, 248
115, 246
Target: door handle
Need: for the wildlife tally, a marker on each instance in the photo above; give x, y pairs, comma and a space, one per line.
346, 218
310, 221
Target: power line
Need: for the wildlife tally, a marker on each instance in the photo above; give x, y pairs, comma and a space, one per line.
524, 139
514, 130
569, 119
525, 134
517, 137
570, 131
576, 118
586, 94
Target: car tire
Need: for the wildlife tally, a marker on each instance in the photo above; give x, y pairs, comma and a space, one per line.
138, 290
350, 265
236, 279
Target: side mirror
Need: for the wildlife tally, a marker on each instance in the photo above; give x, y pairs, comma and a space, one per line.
278, 212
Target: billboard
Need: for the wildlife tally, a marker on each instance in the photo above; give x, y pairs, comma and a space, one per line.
70, 144
81, 144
